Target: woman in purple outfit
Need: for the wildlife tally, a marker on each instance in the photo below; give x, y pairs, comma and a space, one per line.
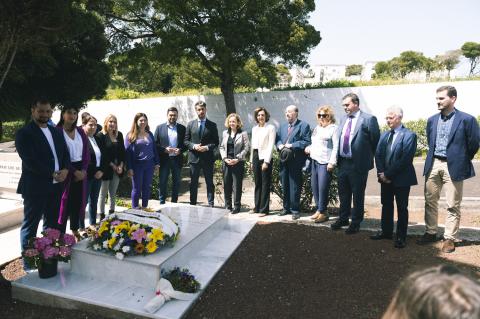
142, 159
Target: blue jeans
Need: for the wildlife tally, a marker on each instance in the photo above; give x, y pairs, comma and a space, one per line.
37, 206
93, 190
142, 182
320, 182
171, 165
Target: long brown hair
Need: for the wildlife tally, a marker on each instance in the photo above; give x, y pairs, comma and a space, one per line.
133, 134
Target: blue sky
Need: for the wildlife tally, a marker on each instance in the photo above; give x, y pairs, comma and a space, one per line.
355, 31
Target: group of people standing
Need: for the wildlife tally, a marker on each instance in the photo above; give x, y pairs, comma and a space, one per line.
67, 167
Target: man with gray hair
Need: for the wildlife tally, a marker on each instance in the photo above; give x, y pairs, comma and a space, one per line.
292, 139
394, 161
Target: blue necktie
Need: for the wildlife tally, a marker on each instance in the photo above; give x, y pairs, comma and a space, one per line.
201, 128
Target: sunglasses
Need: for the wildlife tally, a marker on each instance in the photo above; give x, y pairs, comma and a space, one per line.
322, 115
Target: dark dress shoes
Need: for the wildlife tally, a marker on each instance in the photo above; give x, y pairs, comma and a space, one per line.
381, 235
283, 213
352, 229
295, 216
400, 243
338, 224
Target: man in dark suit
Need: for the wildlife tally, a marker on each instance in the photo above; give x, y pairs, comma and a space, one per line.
292, 137
395, 171
45, 161
358, 142
169, 139
453, 141
201, 139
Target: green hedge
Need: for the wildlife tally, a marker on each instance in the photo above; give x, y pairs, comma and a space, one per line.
10, 129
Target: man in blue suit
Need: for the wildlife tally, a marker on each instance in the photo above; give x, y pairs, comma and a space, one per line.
453, 141
169, 139
395, 171
45, 161
358, 142
292, 137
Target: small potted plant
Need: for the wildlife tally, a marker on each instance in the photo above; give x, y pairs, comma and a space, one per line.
45, 252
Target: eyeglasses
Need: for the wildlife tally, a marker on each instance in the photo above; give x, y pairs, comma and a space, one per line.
322, 115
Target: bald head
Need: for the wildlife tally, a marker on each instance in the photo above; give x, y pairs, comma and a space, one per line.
291, 113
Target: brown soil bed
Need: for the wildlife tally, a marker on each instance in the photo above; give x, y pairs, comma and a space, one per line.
286, 270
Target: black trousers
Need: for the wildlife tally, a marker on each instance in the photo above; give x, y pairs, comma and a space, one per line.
351, 184
232, 181
263, 182
74, 202
400, 194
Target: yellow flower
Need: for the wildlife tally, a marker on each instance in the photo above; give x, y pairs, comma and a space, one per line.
103, 228
151, 247
133, 228
123, 226
111, 242
156, 234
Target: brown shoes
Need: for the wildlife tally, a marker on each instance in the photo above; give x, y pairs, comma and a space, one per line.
448, 246
321, 218
315, 216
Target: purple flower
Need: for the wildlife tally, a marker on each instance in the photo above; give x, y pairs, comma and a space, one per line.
32, 252
41, 243
68, 239
52, 233
50, 252
139, 235
116, 222
65, 251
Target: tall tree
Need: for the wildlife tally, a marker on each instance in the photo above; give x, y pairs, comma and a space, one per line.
449, 60
354, 69
222, 35
471, 50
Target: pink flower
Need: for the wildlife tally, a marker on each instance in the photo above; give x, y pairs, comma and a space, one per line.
68, 239
116, 222
139, 235
50, 252
41, 243
65, 251
52, 233
32, 252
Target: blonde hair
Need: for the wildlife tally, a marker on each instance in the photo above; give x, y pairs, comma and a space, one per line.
105, 125
237, 118
328, 110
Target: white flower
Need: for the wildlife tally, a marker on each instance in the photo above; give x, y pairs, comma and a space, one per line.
126, 249
117, 247
97, 247
119, 256
105, 244
121, 241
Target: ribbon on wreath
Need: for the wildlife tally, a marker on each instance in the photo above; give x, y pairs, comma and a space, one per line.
164, 292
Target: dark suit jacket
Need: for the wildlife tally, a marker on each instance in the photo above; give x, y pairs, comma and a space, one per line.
461, 148
364, 141
399, 166
38, 162
161, 141
111, 153
209, 137
300, 138
92, 168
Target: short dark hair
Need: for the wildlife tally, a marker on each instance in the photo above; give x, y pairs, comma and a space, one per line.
258, 110
84, 115
201, 104
353, 97
451, 90
172, 109
40, 100
87, 118
66, 108
440, 292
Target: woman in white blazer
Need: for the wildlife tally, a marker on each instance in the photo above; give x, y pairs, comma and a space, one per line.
233, 149
263, 141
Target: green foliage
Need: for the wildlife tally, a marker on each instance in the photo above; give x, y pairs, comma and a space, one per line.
10, 129
449, 60
354, 69
407, 62
327, 85
471, 50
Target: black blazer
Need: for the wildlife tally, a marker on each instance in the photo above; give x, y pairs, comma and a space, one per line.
92, 165
111, 153
161, 141
38, 162
209, 138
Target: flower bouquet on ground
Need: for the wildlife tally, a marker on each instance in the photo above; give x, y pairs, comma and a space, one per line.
134, 232
175, 284
44, 252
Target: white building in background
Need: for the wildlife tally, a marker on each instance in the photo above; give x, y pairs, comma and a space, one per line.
368, 70
330, 72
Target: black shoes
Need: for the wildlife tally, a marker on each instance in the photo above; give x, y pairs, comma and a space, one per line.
283, 213
352, 229
295, 216
400, 243
381, 235
427, 239
338, 224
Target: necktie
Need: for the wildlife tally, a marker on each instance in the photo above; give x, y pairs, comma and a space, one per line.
388, 151
290, 128
201, 128
346, 137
